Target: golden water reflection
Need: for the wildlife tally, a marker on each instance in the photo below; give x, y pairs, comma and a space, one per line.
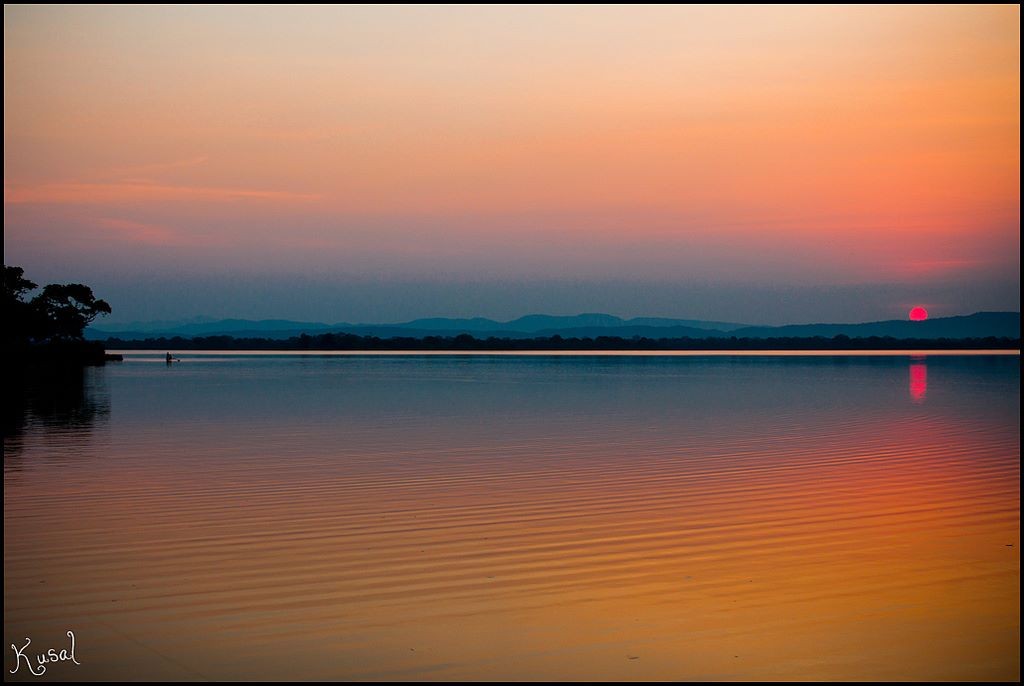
477, 519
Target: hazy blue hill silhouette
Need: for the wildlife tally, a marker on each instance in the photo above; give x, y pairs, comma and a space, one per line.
270, 328
258, 326
629, 331
980, 324
541, 322
435, 326
591, 325
447, 324
544, 323
661, 322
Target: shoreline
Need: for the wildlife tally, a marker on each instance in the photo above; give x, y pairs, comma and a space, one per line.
581, 353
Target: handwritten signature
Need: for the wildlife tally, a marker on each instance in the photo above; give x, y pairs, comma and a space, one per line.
44, 658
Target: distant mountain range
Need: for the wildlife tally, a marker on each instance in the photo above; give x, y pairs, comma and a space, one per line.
978, 325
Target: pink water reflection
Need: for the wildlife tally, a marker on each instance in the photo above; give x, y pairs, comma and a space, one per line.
918, 381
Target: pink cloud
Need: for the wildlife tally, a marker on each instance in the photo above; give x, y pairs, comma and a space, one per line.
78, 193
142, 233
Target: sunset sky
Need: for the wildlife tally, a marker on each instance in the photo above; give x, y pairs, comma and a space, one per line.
380, 163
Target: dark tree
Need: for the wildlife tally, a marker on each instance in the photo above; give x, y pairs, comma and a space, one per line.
57, 315
20, 320
67, 309
16, 286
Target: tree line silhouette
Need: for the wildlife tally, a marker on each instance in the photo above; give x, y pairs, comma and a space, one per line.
50, 324
347, 341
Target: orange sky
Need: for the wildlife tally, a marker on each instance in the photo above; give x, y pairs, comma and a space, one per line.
797, 146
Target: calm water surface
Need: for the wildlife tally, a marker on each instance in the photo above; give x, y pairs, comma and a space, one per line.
518, 517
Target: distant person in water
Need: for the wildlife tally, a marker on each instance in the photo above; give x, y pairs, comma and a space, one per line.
169, 358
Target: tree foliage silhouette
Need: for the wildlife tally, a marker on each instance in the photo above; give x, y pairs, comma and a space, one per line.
19, 315
67, 309
58, 314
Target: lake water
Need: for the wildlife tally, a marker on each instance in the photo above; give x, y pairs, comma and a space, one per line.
518, 517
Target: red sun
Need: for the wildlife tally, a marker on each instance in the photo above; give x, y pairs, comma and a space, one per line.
918, 314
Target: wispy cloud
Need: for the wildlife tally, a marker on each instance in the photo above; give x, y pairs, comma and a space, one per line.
129, 231
140, 182
150, 171
916, 268
85, 193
